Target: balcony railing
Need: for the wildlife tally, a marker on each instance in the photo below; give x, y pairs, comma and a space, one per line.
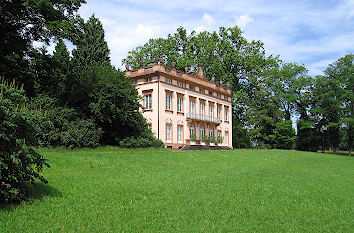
203, 117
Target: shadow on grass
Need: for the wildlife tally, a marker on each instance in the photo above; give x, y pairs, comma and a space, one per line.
36, 191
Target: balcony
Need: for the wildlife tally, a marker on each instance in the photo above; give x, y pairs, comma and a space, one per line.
202, 117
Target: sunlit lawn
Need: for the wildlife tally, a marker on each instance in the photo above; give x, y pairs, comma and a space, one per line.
120, 190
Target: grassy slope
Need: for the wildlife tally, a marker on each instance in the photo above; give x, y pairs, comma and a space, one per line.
111, 189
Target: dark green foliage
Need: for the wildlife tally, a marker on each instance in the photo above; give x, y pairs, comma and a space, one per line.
25, 21
141, 141
80, 133
240, 136
284, 136
92, 49
19, 163
308, 138
63, 126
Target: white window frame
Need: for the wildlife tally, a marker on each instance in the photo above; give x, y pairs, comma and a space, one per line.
148, 102
179, 134
168, 102
211, 131
179, 104
226, 114
201, 110
218, 113
202, 131
192, 107
168, 132
191, 130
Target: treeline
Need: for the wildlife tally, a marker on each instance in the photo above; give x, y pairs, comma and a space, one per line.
268, 94
87, 101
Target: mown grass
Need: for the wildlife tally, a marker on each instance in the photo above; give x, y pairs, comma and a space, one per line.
120, 190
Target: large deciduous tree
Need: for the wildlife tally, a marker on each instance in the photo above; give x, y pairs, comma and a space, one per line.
24, 21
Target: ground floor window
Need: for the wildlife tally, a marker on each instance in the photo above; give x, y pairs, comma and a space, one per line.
180, 134
226, 139
168, 133
211, 131
191, 131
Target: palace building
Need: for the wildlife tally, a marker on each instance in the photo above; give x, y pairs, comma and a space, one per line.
181, 107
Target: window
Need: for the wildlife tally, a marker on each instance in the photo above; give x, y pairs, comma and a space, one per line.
211, 131
168, 80
218, 95
226, 114
202, 131
191, 131
148, 80
202, 90
191, 87
219, 133
180, 84
192, 107
179, 104
218, 113
179, 134
148, 102
168, 133
211, 112
201, 110
168, 102
210, 92
226, 139
134, 82
225, 98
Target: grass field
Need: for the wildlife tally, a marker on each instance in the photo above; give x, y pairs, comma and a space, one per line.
120, 190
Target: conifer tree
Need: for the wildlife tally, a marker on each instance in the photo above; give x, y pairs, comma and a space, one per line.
92, 49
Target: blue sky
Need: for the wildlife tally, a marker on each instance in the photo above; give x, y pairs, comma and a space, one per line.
314, 33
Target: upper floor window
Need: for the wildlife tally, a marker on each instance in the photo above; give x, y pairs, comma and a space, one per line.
218, 95
210, 92
168, 80
148, 80
191, 106
180, 84
148, 102
179, 104
225, 97
202, 90
218, 113
226, 114
191, 87
211, 111
168, 102
134, 82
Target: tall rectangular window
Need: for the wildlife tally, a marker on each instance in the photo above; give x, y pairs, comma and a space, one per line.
180, 134
168, 133
179, 104
180, 84
191, 107
219, 113
201, 110
211, 112
168, 102
226, 114
226, 139
148, 102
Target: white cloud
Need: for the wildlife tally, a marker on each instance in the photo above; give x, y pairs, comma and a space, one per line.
350, 5
143, 31
243, 20
208, 19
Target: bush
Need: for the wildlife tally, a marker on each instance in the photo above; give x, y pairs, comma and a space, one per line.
19, 163
64, 126
80, 133
145, 140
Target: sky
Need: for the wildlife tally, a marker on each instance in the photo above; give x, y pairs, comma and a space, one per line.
310, 32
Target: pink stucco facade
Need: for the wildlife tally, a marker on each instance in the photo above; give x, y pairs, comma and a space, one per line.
178, 104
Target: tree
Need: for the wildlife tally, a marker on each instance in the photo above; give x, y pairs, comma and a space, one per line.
25, 21
19, 163
284, 135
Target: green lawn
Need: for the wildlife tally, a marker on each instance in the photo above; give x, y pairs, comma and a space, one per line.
119, 190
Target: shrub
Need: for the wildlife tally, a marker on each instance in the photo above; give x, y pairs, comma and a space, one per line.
80, 133
64, 127
19, 163
146, 139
